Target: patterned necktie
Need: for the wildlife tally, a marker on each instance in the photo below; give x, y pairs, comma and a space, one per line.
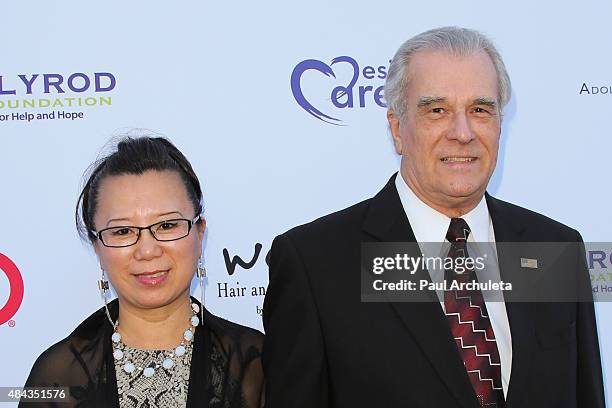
470, 325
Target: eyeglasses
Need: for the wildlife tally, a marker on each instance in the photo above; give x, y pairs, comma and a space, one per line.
164, 231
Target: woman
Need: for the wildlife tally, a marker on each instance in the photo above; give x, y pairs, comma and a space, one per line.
154, 346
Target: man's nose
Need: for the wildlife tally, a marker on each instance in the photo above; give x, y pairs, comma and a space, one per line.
461, 129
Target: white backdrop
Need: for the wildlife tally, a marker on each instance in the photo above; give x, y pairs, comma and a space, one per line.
216, 79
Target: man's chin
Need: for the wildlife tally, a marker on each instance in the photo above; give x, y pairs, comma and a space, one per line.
464, 194
463, 189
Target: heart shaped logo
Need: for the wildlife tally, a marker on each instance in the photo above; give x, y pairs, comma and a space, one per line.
337, 93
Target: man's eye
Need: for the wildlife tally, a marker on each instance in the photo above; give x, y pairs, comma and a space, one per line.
437, 110
480, 110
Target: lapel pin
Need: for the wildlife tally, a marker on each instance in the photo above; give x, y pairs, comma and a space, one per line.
529, 263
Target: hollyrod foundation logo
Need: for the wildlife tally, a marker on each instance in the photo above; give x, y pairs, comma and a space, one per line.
365, 87
29, 97
15, 289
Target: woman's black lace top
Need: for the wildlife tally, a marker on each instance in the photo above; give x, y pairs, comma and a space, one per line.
225, 371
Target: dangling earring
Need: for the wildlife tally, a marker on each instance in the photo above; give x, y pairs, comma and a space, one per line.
104, 289
201, 272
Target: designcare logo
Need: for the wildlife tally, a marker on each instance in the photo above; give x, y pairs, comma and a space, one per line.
51, 96
360, 88
15, 289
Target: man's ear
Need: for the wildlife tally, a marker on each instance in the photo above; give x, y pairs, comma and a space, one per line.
394, 126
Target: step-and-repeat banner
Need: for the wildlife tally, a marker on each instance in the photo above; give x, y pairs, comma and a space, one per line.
279, 107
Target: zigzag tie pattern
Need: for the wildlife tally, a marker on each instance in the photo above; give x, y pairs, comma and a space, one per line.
469, 322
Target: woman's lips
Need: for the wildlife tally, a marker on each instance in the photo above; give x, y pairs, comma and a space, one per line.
152, 278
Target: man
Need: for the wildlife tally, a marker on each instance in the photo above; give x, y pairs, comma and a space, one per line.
325, 348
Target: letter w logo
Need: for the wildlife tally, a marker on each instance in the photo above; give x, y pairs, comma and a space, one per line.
230, 264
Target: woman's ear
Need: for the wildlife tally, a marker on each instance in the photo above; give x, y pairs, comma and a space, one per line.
97, 246
201, 226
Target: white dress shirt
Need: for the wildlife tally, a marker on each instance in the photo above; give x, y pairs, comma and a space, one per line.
430, 225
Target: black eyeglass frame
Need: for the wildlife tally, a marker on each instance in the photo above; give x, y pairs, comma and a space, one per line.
190, 224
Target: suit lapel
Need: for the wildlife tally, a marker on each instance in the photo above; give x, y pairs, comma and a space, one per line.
520, 314
386, 221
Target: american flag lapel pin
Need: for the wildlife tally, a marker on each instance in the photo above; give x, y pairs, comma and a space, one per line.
529, 263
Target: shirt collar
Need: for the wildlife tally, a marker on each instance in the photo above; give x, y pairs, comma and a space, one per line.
430, 225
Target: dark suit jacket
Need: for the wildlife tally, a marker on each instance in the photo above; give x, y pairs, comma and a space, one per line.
325, 348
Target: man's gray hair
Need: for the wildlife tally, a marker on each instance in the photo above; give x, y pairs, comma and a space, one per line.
456, 40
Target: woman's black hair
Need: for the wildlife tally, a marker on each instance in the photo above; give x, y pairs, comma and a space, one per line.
134, 155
